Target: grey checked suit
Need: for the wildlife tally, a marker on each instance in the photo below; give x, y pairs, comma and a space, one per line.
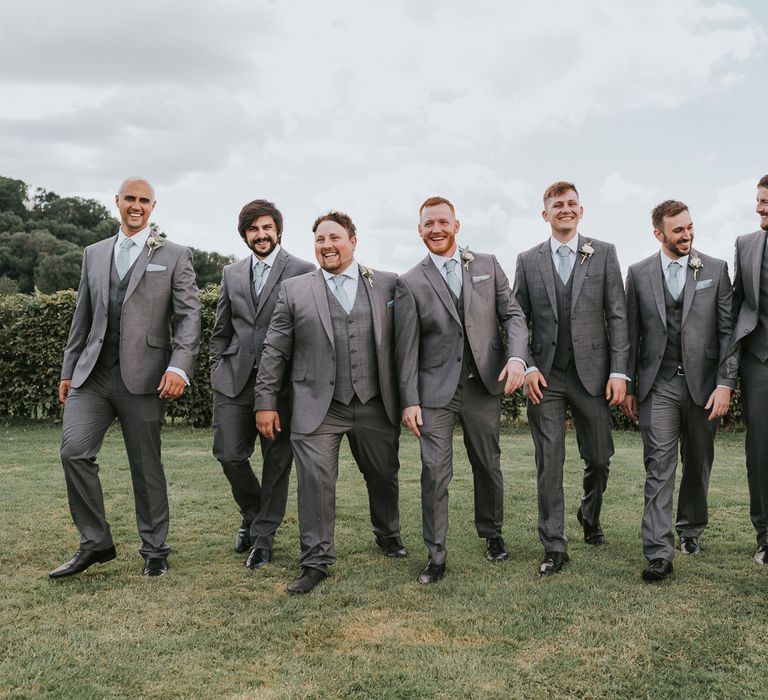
303, 343
121, 380
750, 342
595, 332
678, 355
449, 354
236, 344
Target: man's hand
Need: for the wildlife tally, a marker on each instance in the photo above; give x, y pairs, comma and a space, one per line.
514, 374
412, 419
534, 382
268, 424
64, 386
615, 391
171, 386
719, 402
629, 407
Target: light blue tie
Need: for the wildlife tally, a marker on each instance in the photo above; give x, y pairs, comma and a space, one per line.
123, 261
564, 268
340, 294
673, 281
454, 283
259, 269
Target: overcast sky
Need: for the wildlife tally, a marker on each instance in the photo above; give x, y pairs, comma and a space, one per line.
370, 107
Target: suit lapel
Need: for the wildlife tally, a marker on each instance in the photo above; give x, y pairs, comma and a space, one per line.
439, 285
657, 287
319, 287
757, 261
467, 291
580, 268
245, 281
689, 290
138, 271
547, 270
375, 308
273, 278
104, 268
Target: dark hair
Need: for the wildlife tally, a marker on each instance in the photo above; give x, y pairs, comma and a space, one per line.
763, 181
253, 210
558, 188
338, 217
670, 207
433, 202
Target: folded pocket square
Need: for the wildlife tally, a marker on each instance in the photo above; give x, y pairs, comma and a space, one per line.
479, 278
704, 284
390, 303
159, 268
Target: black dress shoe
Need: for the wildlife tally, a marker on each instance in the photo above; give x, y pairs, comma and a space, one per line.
761, 555
495, 550
392, 547
82, 560
155, 566
593, 534
307, 580
657, 570
243, 538
258, 558
690, 545
432, 573
552, 563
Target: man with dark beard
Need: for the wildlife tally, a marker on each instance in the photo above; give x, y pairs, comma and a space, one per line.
249, 290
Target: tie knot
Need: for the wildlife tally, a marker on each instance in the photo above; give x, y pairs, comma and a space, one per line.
127, 243
563, 251
674, 266
338, 280
450, 265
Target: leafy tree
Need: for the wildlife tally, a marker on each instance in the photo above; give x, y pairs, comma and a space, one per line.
86, 213
55, 272
209, 266
14, 195
8, 286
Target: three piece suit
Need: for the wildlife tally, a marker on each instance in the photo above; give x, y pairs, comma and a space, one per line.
120, 344
678, 351
449, 351
242, 319
339, 364
578, 338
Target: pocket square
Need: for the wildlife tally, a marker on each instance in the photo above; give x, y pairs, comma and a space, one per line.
479, 278
704, 284
390, 303
156, 268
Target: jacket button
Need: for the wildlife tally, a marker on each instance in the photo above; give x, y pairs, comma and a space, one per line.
331, 382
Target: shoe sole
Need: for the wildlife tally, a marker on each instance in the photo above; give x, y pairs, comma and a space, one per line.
101, 560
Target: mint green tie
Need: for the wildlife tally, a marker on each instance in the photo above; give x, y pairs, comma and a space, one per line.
340, 293
454, 283
673, 281
123, 261
564, 268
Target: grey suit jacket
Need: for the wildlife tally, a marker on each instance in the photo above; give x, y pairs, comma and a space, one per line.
746, 287
162, 286
429, 340
301, 333
706, 329
239, 329
598, 312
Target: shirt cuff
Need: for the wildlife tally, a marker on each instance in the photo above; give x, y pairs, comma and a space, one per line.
722, 386
619, 375
180, 372
530, 369
518, 359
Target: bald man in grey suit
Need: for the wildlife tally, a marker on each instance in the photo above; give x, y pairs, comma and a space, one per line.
123, 359
249, 290
334, 327
460, 338
680, 321
571, 292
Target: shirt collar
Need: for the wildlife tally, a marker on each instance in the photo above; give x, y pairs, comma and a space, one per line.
269, 260
573, 244
440, 260
140, 238
666, 260
353, 272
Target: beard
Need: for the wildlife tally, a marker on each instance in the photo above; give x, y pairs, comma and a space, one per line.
265, 254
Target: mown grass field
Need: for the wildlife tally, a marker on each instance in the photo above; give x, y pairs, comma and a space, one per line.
211, 628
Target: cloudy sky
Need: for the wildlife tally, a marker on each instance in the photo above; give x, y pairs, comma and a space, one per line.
370, 107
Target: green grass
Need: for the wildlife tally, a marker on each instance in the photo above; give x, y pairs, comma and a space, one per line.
211, 628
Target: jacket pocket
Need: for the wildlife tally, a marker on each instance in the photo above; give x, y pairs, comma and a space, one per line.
712, 353
231, 350
298, 374
155, 342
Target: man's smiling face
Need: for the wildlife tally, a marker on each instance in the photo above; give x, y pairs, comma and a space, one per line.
438, 228
563, 213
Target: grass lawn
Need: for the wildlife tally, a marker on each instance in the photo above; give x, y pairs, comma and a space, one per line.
211, 628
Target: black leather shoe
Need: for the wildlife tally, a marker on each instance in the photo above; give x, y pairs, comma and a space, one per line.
495, 550
552, 563
690, 545
761, 555
155, 566
657, 570
432, 573
82, 560
243, 538
258, 558
307, 580
392, 547
593, 534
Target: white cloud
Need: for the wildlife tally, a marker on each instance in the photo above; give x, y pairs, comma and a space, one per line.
616, 190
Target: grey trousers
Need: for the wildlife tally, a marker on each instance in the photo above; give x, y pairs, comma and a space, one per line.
754, 394
592, 417
88, 413
480, 416
234, 438
374, 443
668, 415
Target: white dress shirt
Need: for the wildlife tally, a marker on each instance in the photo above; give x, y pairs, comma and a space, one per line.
681, 273
440, 260
269, 261
349, 284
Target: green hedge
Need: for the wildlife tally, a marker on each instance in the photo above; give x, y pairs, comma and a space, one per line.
33, 333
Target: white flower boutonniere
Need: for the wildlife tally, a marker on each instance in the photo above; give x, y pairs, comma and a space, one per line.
694, 262
367, 273
587, 251
153, 242
467, 256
